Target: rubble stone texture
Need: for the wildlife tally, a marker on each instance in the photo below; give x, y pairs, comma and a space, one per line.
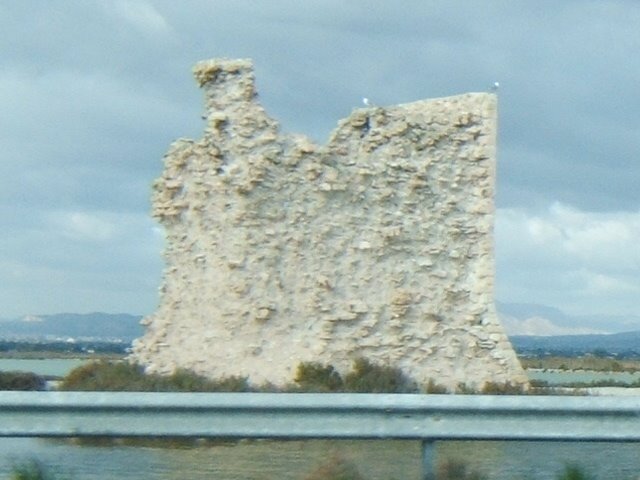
378, 244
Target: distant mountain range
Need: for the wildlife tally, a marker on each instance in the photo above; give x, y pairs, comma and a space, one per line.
541, 320
538, 329
626, 343
103, 326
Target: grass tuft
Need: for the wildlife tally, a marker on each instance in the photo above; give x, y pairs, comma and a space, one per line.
573, 472
457, 470
32, 470
495, 388
370, 378
335, 468
366, 377
315, 377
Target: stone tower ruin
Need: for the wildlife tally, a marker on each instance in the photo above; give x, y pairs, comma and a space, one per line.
378, 244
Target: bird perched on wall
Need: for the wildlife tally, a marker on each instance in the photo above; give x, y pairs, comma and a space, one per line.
367, 102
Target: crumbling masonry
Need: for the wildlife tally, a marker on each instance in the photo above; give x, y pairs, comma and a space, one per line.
378, 244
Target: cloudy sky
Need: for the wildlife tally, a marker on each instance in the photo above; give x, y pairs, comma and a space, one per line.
92, 92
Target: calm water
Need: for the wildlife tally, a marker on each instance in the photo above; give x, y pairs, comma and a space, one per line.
52, 366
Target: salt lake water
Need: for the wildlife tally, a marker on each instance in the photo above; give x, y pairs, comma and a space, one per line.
56, 367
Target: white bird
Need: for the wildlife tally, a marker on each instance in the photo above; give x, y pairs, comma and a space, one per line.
496, 86
367, 102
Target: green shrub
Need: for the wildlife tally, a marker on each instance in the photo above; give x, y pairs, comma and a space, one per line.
367, 377
106, 376
434, 388
315, 377
21, 381
128, 377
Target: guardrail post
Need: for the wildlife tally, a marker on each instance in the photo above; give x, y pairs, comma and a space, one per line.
428, 460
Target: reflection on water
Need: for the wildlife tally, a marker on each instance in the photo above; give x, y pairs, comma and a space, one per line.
271, 460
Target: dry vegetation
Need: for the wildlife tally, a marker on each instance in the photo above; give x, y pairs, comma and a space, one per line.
588, 362
365, 377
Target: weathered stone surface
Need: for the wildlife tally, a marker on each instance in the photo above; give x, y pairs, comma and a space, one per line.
376, 245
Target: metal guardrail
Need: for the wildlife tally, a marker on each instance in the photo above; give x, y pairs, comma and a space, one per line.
427, 418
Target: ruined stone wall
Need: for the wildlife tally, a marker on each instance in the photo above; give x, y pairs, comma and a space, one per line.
377, 244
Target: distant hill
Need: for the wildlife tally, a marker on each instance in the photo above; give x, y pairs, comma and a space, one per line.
622, 344
121, 326
541, 320
539, 329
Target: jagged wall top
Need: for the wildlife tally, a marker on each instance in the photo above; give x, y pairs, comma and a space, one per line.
377, 244
224, 72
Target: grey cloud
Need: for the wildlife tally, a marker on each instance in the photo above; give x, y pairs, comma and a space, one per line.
92, 94
584, 262
81, 261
